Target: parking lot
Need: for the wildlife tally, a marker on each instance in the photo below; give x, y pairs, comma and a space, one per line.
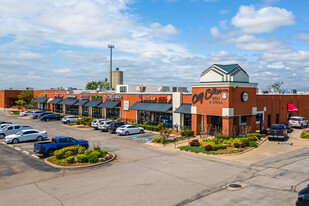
57, 128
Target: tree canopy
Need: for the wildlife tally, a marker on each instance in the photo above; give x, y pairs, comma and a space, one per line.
26, 96
101, 85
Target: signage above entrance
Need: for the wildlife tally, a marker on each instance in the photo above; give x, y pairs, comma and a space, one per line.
71, 96
84, 96
58, 96
209, 94
96, 97
112, 96
167, 99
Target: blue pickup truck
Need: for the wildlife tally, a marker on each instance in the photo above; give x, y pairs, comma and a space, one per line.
48, 148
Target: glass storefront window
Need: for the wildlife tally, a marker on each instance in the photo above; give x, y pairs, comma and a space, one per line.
58, 108
113, 113
85, 111
187, 120
97, 112
71, 109
155, 118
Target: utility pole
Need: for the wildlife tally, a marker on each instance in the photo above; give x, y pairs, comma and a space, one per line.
110, 73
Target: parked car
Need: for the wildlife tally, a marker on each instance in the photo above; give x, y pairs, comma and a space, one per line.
26, 135
49, 117
287, 126
25, 113
4, 123
303, 197
129, 129
12, 129
103, 125
43, 113
48, 148
296, 121
95, 123
69, 119
277, 131
113, 127
35, 114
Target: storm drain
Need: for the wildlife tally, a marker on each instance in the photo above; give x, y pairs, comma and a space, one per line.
235, 186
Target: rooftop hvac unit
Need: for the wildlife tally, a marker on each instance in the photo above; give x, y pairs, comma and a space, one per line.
140, 88
180, 89
164, 89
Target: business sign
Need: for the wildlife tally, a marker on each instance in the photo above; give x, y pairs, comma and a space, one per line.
151, 98
208, 95
96, 97
71, 96
126, 104
84, 96
43, 95
244, 96
58, 96
112, 96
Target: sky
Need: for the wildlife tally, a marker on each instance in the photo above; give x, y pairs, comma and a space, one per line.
54, 43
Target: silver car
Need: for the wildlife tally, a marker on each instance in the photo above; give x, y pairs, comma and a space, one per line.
25, 113
69, 119
296, 121
26, 135
95, 123
129, 129
103, 125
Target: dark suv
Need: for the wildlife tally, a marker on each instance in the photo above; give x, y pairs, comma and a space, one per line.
113, 126
303, 197
277, 131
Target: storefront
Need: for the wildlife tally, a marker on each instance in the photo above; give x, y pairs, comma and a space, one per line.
154, 113
55, 107
93, 104
112, 109
42, 103
70, 107
80, 105
185, 116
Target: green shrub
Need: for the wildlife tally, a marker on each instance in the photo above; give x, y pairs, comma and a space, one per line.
241, 136
235, 150
97, 153
151, 128
227, 141
157, 139
190, 133
244, 140
219, 146
78, 122
70, 159
103, 153
81, 158
258, 135
305, 135
252, 138
222, 136
81, 150
252, 144
59, 154
160, 125
92, 157
88, 151
118, 119
68, 153
96, 148
140, 125
236, 140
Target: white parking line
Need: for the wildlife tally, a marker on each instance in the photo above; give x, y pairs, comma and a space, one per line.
27, 153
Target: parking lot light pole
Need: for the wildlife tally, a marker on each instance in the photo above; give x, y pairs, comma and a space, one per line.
110, 73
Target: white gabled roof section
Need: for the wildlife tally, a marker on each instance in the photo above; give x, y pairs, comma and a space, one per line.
224, 73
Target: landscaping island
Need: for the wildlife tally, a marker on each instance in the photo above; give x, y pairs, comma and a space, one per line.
78, 156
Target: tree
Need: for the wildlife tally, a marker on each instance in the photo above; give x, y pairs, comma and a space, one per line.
26, 96
20, 102
276, 86
101, 85
165, 134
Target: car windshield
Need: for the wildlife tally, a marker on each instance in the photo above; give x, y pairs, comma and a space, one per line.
4, 127
122, 127
295, 119
20, 132
277, 127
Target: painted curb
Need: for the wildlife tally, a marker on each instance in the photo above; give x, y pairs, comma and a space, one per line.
78, 167
4, 143
26, 152
34, 156
18, 149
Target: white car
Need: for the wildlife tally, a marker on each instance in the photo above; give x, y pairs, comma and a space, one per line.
129, 129
26, 135
95, 123
296, 121
69, 119
25, 113
103, 125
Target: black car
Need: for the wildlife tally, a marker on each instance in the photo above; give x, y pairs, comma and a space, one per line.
303, 197
277, 131
43, 114
49, 117
287, 126
113, 126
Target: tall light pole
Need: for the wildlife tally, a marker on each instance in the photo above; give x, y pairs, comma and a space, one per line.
110, 73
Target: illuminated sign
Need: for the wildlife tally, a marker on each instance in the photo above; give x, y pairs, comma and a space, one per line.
112, 96
151, 98
96, 97
58, 96
84, 96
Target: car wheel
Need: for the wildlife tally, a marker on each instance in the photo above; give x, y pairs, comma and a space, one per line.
142, 131
127, 133
15, 141
269, 139
2, 136
68, 122
39, 138
50, 153
47, 120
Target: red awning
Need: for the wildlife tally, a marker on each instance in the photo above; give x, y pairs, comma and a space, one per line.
292, 108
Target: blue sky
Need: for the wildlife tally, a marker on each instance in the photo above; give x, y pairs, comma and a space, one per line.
46, 44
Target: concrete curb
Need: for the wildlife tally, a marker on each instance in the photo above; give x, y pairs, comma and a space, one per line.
78, 167
22, 151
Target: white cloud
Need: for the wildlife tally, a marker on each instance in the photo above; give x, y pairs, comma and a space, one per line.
215, 32
264, 20
305, 37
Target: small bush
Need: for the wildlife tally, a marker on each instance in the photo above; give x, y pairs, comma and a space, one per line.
81, 158
253, 144
243, 145
81, 150
244, 140
70, 159
59, 154
208, 148
103, 153
236, 145
222, 136
241, 136
235, 150
97, 153
92, 158
258, 135
160, 125
157, 139
220, 146
118, 119
195, 143
88, 151
251, 139
68, 154
305, 135
190, 133
96, 148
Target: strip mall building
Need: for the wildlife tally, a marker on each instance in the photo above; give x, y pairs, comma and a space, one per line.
224, 98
